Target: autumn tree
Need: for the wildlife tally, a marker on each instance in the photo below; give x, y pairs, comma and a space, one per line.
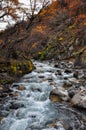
13, 9
35, 7
8, 8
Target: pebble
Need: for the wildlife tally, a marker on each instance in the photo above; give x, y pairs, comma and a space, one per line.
75, 74
68, 71
21, 88
16, 105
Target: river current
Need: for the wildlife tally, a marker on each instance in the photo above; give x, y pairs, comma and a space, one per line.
36, 111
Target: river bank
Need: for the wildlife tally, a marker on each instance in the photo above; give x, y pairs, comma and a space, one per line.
11, 71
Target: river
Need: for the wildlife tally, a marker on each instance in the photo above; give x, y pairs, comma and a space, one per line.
33, 109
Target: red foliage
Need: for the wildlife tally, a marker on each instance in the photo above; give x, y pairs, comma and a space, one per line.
80, 18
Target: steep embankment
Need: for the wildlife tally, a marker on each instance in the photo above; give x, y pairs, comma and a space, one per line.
58, 31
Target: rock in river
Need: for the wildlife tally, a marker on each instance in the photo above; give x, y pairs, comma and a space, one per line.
21, 88
16, 105
79, 99
58, 95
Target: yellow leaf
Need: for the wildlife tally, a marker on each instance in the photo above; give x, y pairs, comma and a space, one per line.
85, 23
60, 38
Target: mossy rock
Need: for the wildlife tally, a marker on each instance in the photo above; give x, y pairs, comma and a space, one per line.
42, 55
18, 68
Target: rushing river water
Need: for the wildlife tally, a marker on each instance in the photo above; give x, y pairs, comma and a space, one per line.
36, 111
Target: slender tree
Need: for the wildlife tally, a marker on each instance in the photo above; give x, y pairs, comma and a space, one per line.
8, 8
36, 6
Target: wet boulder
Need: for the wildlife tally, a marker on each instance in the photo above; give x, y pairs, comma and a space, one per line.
41, 76
16, 105
3, 95
1, 87
72, 91
67, 85
76, 74
79, 99
21, 88
68, 71
58, 72
19, 68
1, 118
56, 65
58, 95
14, 94
58, 125
35, 89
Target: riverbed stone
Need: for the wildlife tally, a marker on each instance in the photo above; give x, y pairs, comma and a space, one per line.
21, 88
58, 95
16, 105
1, 118
3, 95
73, 90
58, 72
58, 125
67, 85
79, 99
14, 94
36, 89
50, 79
68, 71
41, 76
56, 65
1, 87
15, 85
52, 83
76, 74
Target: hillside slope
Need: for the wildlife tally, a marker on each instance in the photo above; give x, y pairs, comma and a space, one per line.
58, 31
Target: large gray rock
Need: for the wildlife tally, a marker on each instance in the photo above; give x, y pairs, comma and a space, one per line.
58, 95
79, 99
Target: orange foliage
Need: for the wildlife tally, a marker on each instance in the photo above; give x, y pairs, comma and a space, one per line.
34, 45
73, 4
54, 5
1, 41
51, 10
9, 8
80, 17
40, 28
16, 2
